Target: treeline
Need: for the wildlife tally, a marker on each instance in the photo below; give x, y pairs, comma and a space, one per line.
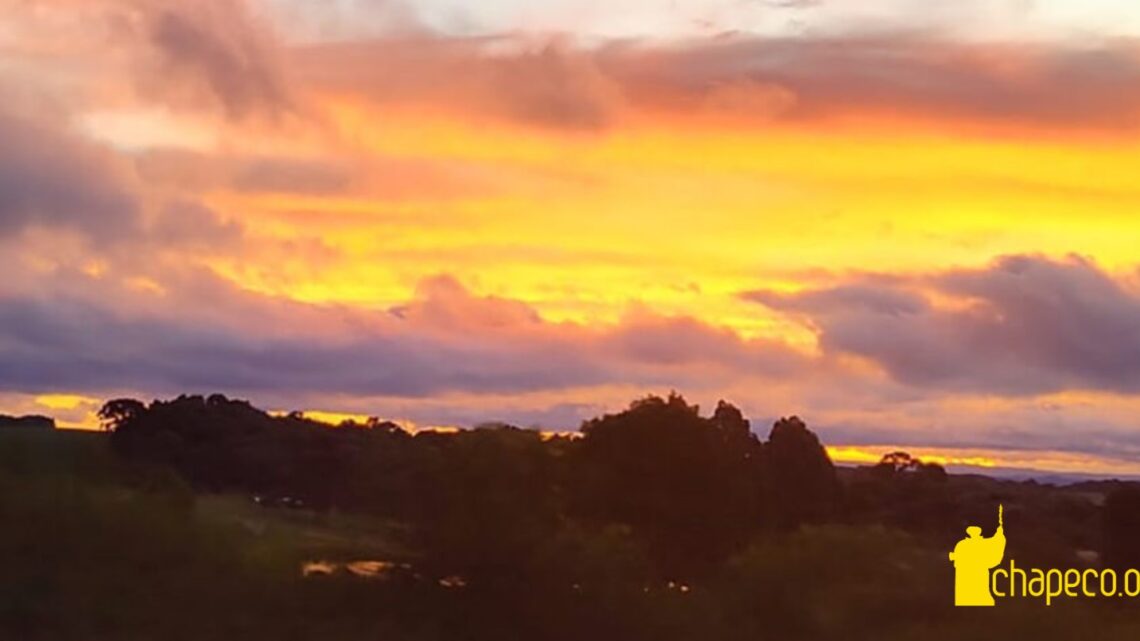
654, 523
683, 491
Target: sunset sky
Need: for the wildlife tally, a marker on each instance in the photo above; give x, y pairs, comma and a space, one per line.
913, 224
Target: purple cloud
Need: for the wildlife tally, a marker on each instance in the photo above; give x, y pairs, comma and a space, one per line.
1023, 325
218, 337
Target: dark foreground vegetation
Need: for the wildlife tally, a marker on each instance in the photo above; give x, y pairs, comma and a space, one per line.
653, 523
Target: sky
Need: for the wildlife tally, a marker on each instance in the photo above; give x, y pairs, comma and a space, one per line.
910, 223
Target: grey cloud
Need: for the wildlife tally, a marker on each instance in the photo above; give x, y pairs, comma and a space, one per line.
216, 43
242, 342
190, 224
73, 346
50, 178
686, 342
551, 84
1093, 85
1023, 325
1087, 86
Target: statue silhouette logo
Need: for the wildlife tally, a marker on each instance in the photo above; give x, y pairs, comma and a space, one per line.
974, 557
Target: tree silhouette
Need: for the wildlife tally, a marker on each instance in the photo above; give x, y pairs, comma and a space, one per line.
115, 413
1122, 527
800, 480
687, 485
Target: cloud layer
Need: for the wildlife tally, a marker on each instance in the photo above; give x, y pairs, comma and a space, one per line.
1023, 325
429, 224
444, 340
750, 80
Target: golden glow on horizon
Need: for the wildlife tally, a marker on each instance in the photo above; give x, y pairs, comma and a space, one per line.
873, 454
1028, 460
70, 411
64, 401
336, 418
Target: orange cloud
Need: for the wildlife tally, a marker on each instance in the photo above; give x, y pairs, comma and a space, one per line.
741, 81
198, 201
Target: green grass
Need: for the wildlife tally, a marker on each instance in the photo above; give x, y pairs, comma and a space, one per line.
305, 534
95, 549
92, 548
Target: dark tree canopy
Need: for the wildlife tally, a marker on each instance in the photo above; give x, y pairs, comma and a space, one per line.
34, 421
1122, 527
695, 488
800, 479
687, 485
896, 464
691, 490
902, 491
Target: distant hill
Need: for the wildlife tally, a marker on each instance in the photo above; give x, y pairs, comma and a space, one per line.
32, 421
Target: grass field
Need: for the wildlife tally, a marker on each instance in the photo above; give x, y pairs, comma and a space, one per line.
95, 549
